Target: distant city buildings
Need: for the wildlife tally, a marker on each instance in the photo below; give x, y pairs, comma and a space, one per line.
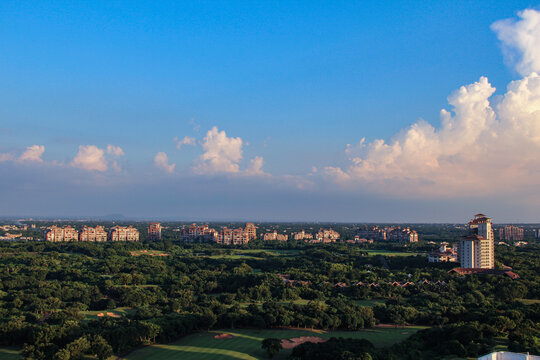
203, 233
93, 234
302, 235
154, 231
536, 233
511, 233
390, 233
273, 236
327, 235
477, 250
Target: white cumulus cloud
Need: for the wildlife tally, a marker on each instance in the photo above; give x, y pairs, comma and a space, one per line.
255, 167
521, 40
115, 150
33, 153
221, 153
161, 160
482, 146
187, 140
90, 158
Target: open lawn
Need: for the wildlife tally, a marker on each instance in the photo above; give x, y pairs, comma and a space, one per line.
9, 354
148, 252
269, 252
371, 302
253, 254
245, 344
118, 312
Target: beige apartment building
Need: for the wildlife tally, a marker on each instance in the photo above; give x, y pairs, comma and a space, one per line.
97, 234
124, 233
195, 233
327, 234
58, 234
511, 233
251, 231
302, 235
154, 231
273, 236
233, 236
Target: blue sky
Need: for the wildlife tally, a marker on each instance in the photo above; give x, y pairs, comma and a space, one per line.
295, 81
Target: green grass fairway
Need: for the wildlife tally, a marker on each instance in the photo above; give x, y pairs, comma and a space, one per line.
389, 253
268, 252
9, 354
246, 343
371, 302
92, 314
253, 254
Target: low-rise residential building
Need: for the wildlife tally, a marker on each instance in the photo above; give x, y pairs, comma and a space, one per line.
97, 234
444, 254
124, 233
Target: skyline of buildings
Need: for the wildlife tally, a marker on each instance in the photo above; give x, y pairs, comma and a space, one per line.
388, 233
92, 234
511, 233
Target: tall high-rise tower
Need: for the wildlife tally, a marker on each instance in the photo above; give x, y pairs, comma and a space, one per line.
478, 250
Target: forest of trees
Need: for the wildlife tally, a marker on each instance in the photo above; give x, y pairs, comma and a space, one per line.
46, 288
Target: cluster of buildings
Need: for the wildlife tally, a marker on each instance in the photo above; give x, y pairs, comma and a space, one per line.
323, 235
326, 235
476, 251
511, 233
226, 236
389, 233
302, 235
273, 236
22, 227
444, 254
94, 234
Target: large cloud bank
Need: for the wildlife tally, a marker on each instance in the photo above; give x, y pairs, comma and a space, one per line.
222, 154
482, 146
